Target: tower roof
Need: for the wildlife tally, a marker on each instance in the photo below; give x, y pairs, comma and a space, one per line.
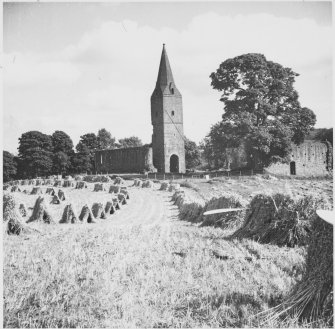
165, 84
165, 73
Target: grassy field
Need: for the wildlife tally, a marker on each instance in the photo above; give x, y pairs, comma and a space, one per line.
143, 267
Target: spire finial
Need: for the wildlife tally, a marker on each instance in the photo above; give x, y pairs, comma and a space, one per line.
163, 45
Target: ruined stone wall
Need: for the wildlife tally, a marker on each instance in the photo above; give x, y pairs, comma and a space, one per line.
308, 159
329, 155
133, 159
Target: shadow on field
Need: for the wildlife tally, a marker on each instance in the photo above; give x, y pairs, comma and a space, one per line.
232, 310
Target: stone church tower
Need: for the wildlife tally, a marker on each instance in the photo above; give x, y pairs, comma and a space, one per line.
167, 119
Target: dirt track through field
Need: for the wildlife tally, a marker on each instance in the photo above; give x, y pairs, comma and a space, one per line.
146, 207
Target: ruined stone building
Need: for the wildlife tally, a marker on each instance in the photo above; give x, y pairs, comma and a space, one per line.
311, 158
132, 159
167, 152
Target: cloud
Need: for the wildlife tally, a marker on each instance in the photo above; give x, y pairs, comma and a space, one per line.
29, 69
130, 53
211, 36
113, 69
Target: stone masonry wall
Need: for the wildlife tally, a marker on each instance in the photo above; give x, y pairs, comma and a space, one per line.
157, 120
173, 132
167, 139
174, 144
310, 159
133, 159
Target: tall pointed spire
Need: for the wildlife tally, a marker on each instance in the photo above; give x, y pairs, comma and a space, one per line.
165, 83
164, 74
168, 149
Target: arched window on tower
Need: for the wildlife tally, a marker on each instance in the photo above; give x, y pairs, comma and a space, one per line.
172, 113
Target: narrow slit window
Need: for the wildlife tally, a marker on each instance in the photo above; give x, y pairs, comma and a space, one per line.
172, 113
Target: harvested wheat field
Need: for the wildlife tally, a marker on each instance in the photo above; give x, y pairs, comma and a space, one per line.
248, 186
142, 266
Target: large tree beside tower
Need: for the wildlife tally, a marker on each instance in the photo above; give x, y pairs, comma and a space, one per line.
261, 108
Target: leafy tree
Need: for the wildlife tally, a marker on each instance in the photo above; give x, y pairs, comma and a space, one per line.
216, 144
35, 154
90, 140
132, 141
215, 147
9, 166
63, 150
62, 142
207, 152
325, 134
86, 147
81, 161
261, 108
105, 140
192, 154
61, 162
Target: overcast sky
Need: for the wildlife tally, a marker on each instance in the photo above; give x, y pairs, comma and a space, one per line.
79, 67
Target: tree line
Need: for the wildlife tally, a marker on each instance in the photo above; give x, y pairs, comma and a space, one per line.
42, 155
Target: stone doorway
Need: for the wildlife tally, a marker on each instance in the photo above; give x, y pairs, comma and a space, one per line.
174, 163
292, 168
